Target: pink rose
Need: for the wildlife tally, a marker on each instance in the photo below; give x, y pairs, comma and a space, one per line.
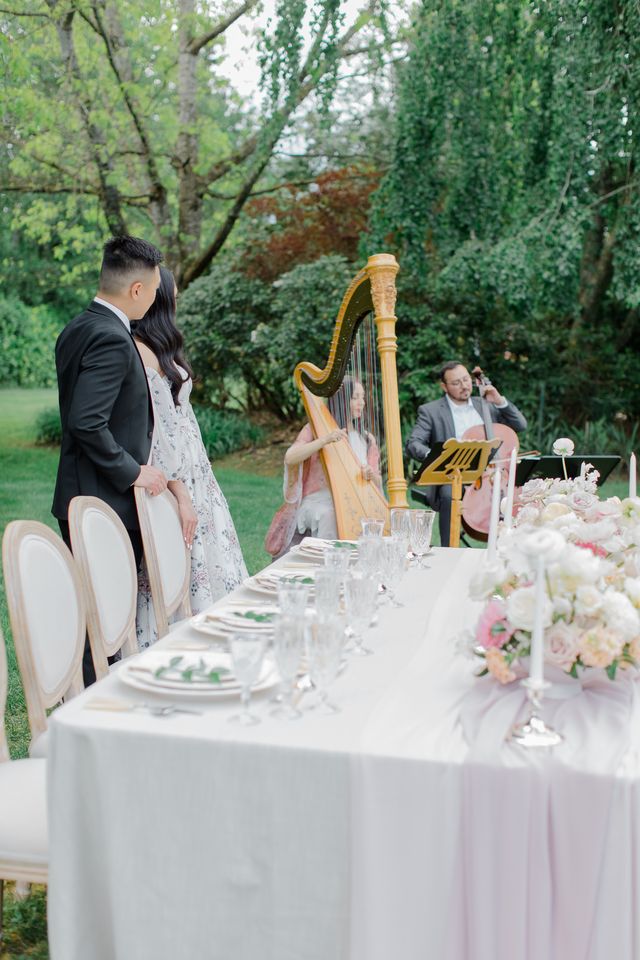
561, 644
493, 628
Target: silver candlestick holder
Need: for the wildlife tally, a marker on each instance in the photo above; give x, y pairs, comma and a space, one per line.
534, 732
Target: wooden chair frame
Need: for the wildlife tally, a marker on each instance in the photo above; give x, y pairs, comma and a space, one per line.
101, 648
39, 701
183, 602
26, 872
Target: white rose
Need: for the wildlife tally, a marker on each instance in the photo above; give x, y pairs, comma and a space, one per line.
533, 490
632, 590
561, 644
527, 514
521, 607
554, 510
545, 543
588, 600
563, 447
581, 501
600, 530
562, 607
575, 567
620, 614
484, 582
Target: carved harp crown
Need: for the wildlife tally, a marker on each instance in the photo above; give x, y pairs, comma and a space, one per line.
366, 318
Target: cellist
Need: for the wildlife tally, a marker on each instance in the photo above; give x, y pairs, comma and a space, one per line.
451, 416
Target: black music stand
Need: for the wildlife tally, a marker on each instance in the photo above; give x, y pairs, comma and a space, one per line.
550, 467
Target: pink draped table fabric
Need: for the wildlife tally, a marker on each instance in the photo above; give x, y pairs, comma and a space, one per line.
403, 827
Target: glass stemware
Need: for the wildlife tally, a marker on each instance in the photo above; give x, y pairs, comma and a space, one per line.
292, 598
421, 527
337, 558
401, 523
360, 593
288, 646
247, 654
394, 560
328, 583
325, 643
371, 527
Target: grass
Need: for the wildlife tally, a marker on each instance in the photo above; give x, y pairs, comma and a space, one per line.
252, 486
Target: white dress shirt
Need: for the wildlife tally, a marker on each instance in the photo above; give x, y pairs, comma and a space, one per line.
465, 415
116, 310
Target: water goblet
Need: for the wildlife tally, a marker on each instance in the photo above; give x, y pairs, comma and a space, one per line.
337, 558
360, 592
288, 646
325, 643
421, 527
327, 591
400, 520
292, 598
247, 654
371, 527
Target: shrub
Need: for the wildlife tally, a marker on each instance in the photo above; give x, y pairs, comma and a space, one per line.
27, 344
225, 432
48, 427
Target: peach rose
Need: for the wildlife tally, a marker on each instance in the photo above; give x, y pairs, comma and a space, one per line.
498, 666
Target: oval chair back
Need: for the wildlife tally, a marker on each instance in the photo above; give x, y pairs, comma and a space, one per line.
104, 555
167, 557
47, 614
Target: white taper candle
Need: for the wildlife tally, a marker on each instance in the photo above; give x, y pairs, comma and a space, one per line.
536, 661
496, 496
632, 475
511, 484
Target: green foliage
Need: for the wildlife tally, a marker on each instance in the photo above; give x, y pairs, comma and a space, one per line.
244, 337
27, 343
512, 201
48, 427
25, 926
225, 432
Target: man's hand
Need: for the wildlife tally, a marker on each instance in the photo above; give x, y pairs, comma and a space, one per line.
151, 479
491, 394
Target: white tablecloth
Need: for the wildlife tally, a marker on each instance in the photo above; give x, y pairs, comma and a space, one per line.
374, 834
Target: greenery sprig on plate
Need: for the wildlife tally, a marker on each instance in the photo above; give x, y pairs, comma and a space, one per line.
191, 672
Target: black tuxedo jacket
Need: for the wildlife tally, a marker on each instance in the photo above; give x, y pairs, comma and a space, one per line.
106, 413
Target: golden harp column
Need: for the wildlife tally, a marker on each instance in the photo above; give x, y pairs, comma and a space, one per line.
382, 269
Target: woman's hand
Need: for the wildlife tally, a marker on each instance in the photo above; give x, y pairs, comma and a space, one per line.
189, 521
334, 436
367, 472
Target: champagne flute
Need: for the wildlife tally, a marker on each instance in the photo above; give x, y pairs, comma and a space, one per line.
337, 558
288, 644
401, 524
360, 597
247, 654
325, 643
371, 527
292, 598
394, 558
327, 591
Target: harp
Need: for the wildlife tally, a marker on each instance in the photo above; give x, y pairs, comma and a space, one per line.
363, 352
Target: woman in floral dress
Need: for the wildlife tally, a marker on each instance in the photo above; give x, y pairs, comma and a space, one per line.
217, 566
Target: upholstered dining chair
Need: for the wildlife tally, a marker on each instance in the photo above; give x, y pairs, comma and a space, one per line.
166, 555
47, 614
104, 556
23, 808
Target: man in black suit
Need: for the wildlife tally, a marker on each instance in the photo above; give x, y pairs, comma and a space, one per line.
450, 417
105, 405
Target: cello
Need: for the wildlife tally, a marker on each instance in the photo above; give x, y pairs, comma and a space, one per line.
476, 502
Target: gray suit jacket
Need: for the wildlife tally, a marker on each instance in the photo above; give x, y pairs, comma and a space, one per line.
435, 425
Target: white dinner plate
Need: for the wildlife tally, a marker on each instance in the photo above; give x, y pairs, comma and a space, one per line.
133, 676
228, 621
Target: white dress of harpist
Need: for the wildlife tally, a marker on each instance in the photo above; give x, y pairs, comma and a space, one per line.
217, 565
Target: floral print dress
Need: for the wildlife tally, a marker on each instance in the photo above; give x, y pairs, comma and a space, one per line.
217, 565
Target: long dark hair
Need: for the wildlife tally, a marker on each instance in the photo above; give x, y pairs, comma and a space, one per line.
340, 407
158, 331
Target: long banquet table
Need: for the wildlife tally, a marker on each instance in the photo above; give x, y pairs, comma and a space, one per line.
384, 831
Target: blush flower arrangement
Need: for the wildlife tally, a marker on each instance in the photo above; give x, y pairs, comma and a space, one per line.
591, 612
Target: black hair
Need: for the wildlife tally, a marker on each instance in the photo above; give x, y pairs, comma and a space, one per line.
123, 258
449, 365
157, 330
340, 407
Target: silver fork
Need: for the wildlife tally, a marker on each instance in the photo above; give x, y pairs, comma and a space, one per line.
127, 706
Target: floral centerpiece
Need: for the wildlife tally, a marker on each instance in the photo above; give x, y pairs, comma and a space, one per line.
591, 613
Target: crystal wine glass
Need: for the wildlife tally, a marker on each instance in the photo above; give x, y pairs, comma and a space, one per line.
247, 653
288, 647
371, 527
325, 643
292, 598
401, 524
360, 593
421, 527
337, 558
327, 591
394, 559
